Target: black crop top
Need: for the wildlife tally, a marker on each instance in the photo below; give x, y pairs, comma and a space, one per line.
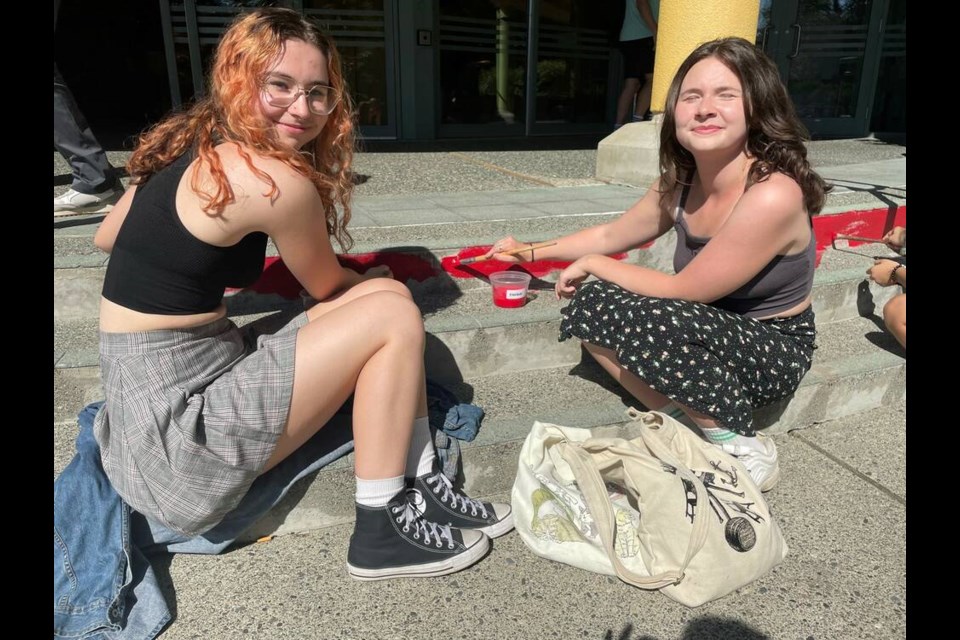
158, 266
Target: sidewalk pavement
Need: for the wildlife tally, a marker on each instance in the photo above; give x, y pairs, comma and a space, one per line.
404, 172
841, 502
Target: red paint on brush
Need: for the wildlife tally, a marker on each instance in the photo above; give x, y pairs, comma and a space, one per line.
538, 268
448, 263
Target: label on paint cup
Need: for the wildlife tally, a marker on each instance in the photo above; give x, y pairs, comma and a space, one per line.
515, 294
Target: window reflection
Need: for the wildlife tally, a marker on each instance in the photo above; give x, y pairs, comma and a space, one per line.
483, 61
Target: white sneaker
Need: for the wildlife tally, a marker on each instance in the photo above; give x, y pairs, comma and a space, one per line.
762, 466
72, 203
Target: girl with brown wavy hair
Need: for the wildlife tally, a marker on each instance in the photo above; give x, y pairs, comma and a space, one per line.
732, 329
197, 408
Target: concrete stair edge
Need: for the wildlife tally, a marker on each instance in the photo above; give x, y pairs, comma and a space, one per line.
832, 389
478, 340
489, 469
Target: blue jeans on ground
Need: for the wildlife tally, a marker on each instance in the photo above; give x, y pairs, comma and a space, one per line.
104, 587
103, 584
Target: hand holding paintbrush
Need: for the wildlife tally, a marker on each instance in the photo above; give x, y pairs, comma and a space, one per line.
496, 250
894, 239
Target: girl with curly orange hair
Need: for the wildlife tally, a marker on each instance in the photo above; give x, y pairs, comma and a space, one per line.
197, 408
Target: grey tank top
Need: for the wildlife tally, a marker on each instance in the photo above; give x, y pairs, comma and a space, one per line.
782, 284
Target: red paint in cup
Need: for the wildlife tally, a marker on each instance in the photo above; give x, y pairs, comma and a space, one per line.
510, 288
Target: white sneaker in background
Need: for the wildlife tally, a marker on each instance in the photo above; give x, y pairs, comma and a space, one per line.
762, 465
72, 203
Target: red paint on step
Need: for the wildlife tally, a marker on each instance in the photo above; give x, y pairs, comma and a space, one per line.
277, 279
538, 268
404, 266
872, 223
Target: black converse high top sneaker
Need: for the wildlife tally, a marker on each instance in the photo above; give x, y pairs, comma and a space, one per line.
396, 541
440, 502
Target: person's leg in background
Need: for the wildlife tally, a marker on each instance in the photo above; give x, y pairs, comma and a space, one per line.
632, 76
642, 104
645, 51
895, 318
95, 186
626, 99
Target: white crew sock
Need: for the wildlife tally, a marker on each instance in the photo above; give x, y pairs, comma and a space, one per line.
421, 456
377, 493
720, 436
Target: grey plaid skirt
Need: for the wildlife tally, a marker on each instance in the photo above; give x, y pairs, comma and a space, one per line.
192, 416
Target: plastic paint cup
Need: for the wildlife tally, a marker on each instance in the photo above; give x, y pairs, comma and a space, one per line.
510, 288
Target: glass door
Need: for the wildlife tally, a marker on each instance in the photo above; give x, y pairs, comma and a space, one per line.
483, 67
890, 103
364, 33
826, 58
362, 29
573, 74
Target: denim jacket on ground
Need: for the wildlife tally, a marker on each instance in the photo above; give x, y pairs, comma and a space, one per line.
104, 585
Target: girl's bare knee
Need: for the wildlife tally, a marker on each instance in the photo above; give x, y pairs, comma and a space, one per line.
895, 312
399, 313
388, 285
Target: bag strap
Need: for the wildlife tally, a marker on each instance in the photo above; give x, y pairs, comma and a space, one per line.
701, 527
598, 502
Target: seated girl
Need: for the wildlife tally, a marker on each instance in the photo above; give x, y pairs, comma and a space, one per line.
196, 408
732, 329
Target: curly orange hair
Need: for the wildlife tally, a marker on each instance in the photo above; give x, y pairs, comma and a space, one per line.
252, 43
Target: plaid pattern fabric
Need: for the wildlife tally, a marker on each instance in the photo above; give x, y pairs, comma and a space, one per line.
192, 416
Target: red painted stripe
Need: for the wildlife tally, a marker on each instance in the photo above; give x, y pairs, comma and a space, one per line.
277, 279
867, 224
537, 268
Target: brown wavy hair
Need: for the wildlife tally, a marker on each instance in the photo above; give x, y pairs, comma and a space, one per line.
775, 135
250, 46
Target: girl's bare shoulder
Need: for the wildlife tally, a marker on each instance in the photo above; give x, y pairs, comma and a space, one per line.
777, 194
253, 175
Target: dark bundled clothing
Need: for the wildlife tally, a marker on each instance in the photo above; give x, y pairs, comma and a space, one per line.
158, 266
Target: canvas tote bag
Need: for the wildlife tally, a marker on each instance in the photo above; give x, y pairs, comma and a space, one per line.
665, 510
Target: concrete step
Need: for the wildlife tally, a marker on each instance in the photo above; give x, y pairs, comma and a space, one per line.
77, 285
388, 220
439, 222
416, 247
429, 221
467, 336
857, 367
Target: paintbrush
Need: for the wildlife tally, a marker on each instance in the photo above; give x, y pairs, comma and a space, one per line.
833, 243
856, 238
458, 261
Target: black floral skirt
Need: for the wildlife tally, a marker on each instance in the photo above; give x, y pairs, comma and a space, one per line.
716, 362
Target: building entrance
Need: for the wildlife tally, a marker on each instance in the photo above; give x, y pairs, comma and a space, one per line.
828, 56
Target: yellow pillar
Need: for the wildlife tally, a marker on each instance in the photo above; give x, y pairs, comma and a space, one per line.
683, 25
